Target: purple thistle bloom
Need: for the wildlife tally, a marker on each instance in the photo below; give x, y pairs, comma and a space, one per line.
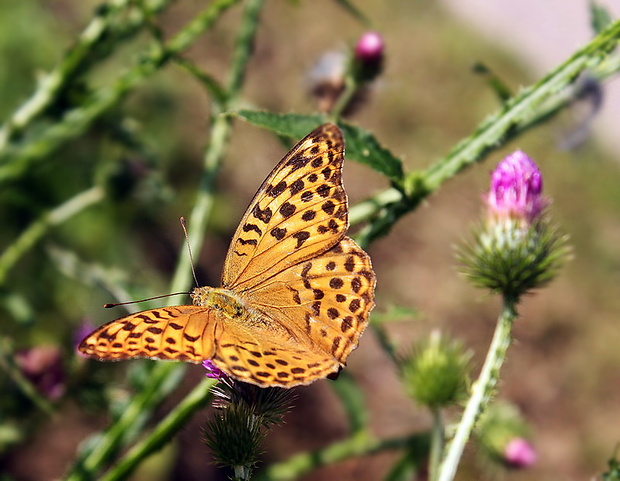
519, 453
42, 366
516, 189
213, 371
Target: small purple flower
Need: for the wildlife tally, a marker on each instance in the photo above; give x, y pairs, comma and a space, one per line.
369, 47
213, 371
42, 366
519, 453
368, 55
516, 189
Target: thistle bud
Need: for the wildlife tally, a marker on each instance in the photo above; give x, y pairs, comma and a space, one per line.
516, 249
368, 56
437, 373
502, 433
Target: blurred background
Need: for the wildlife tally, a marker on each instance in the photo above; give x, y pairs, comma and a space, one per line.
562, 372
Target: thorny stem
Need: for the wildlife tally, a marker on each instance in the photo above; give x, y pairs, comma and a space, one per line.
482, 390
532, 105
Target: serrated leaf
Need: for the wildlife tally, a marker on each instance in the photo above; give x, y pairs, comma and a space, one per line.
361, 145
295, 126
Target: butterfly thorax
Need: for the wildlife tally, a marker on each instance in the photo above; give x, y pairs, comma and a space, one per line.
223, 300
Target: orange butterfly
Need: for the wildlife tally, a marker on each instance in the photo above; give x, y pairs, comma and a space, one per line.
296, 292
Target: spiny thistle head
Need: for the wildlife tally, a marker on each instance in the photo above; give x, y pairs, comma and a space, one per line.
436, 374
244, 412
502, 433
515, 249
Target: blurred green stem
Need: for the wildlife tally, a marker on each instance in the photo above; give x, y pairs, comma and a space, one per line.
162, 433
40, 227
17, 160
117, 15
482, 390
360, 444
119, 433
437, 444
8, 365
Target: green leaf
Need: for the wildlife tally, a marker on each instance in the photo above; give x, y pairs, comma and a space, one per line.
361, 145
599, 17
294, 126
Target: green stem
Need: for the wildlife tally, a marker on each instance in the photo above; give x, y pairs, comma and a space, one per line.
127, 426
117, 20
360, 444
437, 444
17, 160
482, 390
350, 88
121, 433
162, 433
7, 364
40, 227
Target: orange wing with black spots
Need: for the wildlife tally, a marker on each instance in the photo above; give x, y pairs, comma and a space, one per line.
296, 293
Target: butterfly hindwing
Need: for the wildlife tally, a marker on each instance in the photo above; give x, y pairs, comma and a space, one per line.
326, 299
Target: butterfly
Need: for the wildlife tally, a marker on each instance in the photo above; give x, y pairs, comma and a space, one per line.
295, 293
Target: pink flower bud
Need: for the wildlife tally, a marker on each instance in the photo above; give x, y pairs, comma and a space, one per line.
516, 189
519, 453
368, 57
369, 48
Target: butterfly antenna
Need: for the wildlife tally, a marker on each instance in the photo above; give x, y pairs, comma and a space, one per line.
189, 249
115, 304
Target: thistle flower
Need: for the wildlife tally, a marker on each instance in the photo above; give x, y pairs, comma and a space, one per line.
213, 371
516, 190
244, 412
42, 365
516, 249
437, 373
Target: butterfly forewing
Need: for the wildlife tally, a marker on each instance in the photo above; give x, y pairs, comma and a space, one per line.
183, 333
299, 211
